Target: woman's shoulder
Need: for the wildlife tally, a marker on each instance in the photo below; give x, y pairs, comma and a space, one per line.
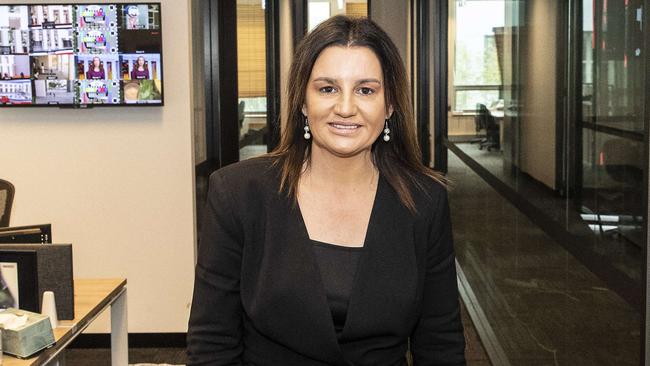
254, 173
429, 190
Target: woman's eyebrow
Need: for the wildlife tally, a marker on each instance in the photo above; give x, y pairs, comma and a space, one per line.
360, 81
326, 79
370, 80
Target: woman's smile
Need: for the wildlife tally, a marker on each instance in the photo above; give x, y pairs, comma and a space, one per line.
345, 102
344, 128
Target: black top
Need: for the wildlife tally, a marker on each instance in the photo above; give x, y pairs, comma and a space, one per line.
338, 266
259, 298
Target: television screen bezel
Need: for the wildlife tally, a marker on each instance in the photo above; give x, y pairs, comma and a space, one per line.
91, 105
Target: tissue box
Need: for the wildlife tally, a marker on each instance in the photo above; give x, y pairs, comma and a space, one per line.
29, 338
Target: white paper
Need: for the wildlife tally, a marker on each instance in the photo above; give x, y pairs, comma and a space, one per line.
9, 279
12, 321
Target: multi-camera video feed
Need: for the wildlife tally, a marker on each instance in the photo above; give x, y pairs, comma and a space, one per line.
141, 78
98, 67
14, 30
15, 92
53, 67
54, 91
136, 16
99, 92
76, 54
97, 17
50, 29
14, 67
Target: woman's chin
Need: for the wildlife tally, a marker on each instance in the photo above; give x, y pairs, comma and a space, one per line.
344, 147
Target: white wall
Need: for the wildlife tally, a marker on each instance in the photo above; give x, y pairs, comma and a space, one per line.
118, 184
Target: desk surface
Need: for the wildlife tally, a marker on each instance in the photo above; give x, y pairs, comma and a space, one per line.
497, 113
91, 297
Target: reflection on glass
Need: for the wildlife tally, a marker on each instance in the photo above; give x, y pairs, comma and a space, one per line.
583, 177
611, 126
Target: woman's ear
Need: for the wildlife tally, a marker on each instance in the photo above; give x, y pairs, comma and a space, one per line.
304, 110
390, 112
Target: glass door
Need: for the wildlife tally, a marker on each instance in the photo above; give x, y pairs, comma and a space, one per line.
609, 163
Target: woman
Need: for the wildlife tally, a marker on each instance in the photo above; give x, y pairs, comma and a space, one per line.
96, 70
140, 70
336, 248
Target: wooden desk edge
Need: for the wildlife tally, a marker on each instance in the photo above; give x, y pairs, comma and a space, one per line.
77, 325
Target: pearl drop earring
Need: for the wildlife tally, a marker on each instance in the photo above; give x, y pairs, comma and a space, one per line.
386, 132
307, 135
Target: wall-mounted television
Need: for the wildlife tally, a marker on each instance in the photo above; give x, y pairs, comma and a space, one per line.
81, 55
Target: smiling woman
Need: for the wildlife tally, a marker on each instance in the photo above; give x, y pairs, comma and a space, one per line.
336, 248
345, 103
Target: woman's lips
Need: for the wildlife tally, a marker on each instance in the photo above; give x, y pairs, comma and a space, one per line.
343, 128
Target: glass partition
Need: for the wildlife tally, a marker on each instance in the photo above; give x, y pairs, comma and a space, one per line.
547, 105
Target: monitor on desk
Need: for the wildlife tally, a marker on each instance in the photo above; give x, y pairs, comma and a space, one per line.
33, 234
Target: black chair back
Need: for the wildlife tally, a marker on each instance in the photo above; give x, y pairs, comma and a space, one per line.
7, 192
481, 119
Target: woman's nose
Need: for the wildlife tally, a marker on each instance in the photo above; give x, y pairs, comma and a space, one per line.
346, 105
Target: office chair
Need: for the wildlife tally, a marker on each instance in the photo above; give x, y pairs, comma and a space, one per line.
491, 132
6, 201
485, 120
622, 161
240, 113
479, 123
623, 196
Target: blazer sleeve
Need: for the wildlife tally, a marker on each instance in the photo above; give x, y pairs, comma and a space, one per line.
438, 337
215, 324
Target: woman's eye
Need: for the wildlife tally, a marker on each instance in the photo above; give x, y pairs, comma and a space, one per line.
327, 89
366, 91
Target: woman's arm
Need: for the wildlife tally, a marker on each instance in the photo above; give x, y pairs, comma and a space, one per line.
438, 338
215, 325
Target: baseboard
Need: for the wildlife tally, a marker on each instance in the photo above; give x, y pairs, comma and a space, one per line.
136, 340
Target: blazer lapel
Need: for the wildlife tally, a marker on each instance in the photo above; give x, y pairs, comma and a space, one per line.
385, 287
292, 305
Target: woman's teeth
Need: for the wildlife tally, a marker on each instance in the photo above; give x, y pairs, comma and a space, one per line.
346, 127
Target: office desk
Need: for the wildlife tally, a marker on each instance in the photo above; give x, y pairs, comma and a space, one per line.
91, 298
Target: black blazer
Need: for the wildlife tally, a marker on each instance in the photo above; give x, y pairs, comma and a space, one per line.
258, 296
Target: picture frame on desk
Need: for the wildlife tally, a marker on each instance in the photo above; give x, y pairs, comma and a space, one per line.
19, 279
53, 272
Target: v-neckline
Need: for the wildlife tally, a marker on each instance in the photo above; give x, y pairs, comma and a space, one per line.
367, 244
305, 232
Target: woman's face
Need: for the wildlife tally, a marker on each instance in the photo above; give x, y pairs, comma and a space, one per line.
344, 101
96, 62
140, 61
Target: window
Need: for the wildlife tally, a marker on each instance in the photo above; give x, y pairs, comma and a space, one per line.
320, 10
478, 41
251, 79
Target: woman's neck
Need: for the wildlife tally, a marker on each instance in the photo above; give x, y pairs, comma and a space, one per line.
327, 167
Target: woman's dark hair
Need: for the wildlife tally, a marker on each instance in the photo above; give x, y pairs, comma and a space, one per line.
398, 160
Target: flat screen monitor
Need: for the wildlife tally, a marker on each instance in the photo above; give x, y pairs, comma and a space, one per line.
33, 234
81, 55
